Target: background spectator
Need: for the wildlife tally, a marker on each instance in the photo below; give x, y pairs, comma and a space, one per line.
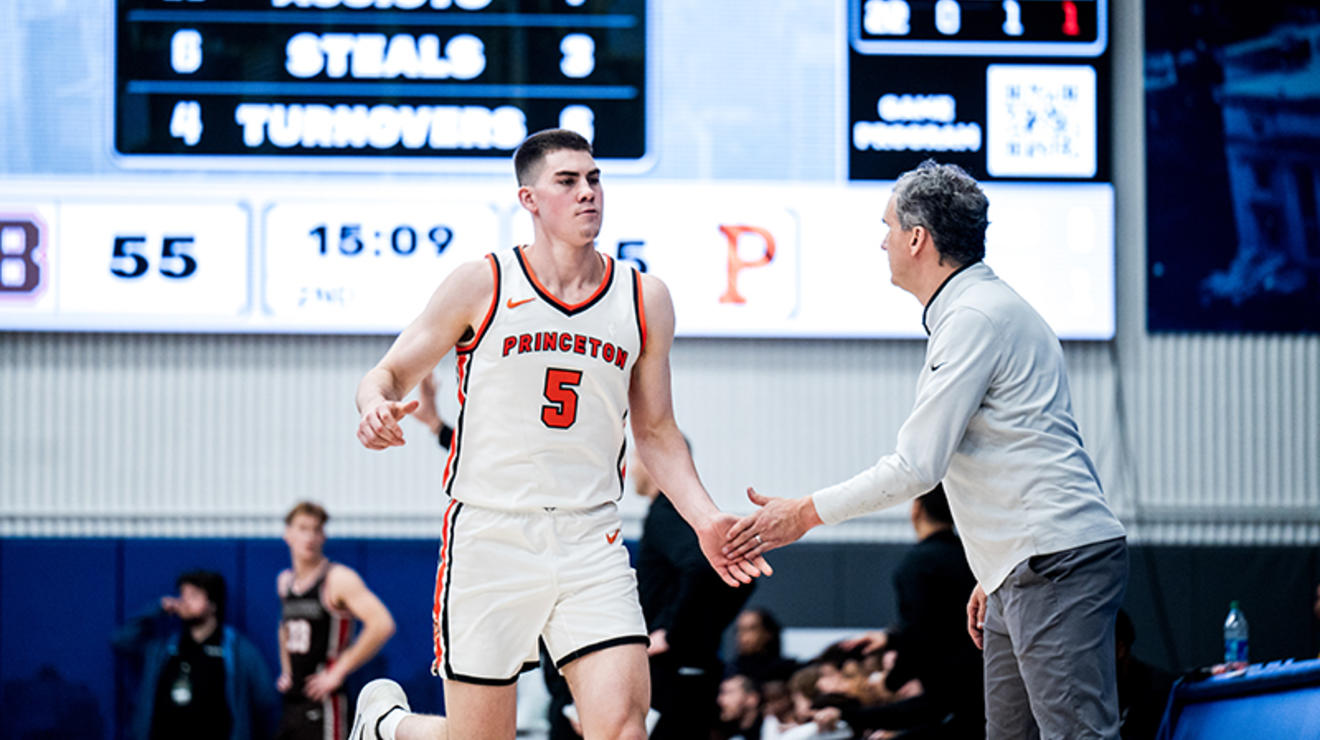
1143, 689
740, 709
759, 643
204, 681
687, 609
930, 641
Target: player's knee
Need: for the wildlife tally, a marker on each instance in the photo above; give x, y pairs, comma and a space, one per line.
633, 733
628, 731
625, 723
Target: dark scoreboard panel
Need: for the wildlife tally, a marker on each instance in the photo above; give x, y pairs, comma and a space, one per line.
1007, 89
369, 78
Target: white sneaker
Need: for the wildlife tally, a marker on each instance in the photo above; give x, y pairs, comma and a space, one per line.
375, 701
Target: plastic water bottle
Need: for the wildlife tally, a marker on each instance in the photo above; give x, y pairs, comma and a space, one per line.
1235, 635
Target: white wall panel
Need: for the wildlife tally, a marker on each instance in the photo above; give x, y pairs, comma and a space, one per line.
1209, 438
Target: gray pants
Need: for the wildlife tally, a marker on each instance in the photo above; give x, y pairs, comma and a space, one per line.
1049, 645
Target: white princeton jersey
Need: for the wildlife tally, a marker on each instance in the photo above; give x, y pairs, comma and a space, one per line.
543, 393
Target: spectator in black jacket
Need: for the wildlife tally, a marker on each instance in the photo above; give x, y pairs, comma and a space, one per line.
930, 639
687, 608
1143, 689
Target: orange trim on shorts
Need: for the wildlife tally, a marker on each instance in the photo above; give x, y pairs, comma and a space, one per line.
490, 312
446, 543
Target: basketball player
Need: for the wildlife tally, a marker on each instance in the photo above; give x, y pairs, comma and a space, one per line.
558, 347
320, 600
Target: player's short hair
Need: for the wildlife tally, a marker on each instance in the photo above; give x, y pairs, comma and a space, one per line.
746, 683
772, 627
310, 508
534, 149
836, 655
211, 583
804, 680
936, 505
949, 203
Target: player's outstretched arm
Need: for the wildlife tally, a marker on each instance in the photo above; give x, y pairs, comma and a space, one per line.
346, 590
661, 445
456, 308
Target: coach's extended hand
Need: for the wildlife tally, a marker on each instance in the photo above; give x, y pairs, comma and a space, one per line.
779, 522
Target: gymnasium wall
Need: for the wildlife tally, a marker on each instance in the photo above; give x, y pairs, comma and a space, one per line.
127, 457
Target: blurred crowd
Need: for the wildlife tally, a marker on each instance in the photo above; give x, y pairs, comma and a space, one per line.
856, 688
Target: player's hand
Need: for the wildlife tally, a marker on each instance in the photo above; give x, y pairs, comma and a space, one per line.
976, 617
284, 683
909, 690
826, 718
779, 522
170, 604
380, 428
659, 642
870, 642
321, 684
712, 536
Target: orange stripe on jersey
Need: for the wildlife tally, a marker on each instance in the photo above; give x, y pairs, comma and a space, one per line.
609, 274
641, 309
490, 312
463, 361
446, 545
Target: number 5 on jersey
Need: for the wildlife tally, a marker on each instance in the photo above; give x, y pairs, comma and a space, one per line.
560, 391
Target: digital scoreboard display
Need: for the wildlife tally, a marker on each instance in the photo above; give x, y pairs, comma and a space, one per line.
320, 166
1007, 89
466, 79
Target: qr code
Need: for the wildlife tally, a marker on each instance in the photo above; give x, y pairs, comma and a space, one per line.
1040, 120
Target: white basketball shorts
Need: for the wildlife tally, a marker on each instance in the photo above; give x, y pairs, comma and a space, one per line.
509, 578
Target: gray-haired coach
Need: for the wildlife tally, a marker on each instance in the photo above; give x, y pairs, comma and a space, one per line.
993, 421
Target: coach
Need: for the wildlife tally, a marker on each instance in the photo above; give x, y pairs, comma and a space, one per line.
993, 421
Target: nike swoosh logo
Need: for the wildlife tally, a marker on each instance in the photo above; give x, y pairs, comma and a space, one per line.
514, 304
612, 536
933, 368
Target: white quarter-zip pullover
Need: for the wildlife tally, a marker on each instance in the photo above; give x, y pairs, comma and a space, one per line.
993, 421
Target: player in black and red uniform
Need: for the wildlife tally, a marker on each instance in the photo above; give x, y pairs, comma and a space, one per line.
320, 601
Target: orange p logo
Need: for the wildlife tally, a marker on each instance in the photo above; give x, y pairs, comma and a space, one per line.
737, 264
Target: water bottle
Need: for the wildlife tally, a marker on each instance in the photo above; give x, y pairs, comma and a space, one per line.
1235, 635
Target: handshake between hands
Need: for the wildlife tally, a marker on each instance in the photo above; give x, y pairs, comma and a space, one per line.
736, 547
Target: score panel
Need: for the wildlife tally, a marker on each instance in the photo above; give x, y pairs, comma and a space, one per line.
1011, 90
747, 259
343, 79
980, 27
369, 266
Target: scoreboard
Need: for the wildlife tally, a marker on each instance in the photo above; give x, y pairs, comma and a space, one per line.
1008, 89
462, 80
320, 166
